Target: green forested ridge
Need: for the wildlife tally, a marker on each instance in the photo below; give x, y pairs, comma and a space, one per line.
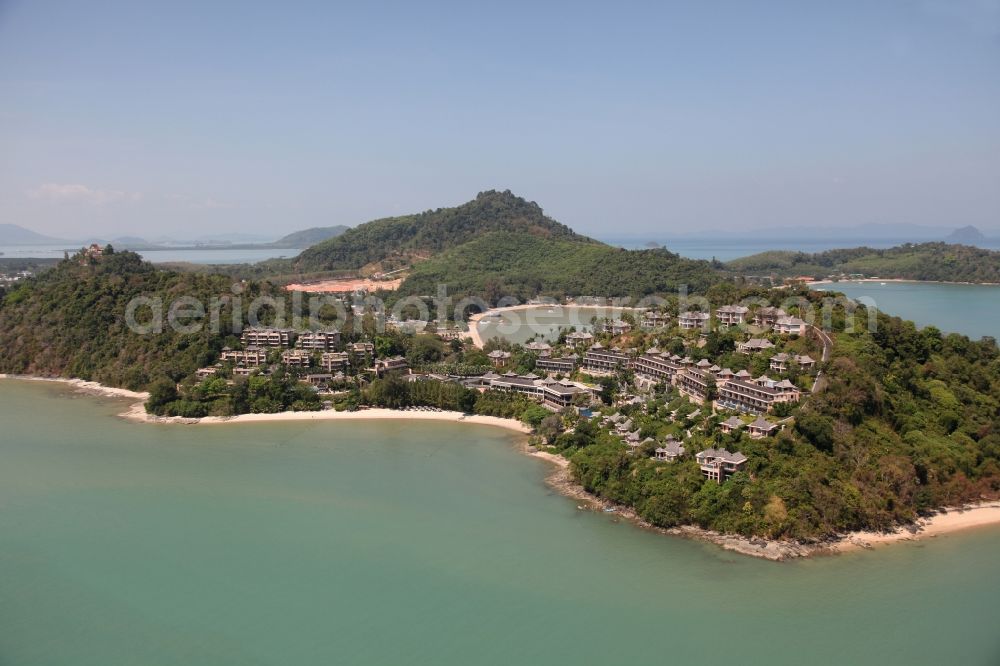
510, 264
70, 321
926, 261
307, 237
397, 241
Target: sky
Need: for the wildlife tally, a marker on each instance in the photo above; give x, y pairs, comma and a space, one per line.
190, 118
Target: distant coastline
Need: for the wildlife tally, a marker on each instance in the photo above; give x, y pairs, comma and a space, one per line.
907, 281
945, 521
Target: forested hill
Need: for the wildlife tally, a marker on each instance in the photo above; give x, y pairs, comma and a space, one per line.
524, 266
926, 261
308, 237
502, 245
70, 322
396, 242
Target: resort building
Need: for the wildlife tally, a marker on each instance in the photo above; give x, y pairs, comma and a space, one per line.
363, 350
695, 384
719, 464
601, 359
318, 340
579, 338
393, 364
779, 362
690, 321
334, 361
499, 358
756, 396
767, 316
805, 361
670, 451
790, 326
321, 379
565, 364
250, 357
296, 358
732, 315
550, 393
655, 319
655, 367
540, 348
762, 428
451, 333
754, 345
268, 337
205, 373
731, 425
617, 327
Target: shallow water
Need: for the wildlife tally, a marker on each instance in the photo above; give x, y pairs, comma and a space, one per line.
416, 543
970, 309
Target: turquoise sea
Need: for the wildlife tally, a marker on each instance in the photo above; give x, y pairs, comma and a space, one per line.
412, 543
970, 309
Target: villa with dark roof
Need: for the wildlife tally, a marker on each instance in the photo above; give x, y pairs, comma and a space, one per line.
719, 464
690, 321
731, 315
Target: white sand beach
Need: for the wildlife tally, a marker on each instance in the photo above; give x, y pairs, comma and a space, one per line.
944, 522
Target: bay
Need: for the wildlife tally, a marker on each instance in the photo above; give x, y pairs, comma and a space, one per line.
970, 309
411, 542
543, 321
246, 255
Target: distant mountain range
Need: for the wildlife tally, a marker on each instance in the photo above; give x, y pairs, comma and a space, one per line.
309, 237
12, 234
16, 235
787, 237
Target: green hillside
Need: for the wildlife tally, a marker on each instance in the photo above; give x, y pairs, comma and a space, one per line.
70, 322
512, 264
926, 261
309, 237
396, 242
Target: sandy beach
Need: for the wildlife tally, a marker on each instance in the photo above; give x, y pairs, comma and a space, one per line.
944, 522
138, 413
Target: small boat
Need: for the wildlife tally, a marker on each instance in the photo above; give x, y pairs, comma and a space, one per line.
609, 510
882, 283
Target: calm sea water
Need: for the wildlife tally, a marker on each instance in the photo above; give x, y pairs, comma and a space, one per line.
543, 321
723, 248
220, 256
411, 543
973, 310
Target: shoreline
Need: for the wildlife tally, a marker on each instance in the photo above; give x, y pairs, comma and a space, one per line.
84, 386
944, 522
902, 280
137, 413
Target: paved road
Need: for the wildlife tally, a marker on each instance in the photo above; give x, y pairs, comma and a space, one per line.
827, 342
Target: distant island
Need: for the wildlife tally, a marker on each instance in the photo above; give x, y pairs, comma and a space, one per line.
966, 236
941, 262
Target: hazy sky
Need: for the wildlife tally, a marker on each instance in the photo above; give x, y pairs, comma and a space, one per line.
185, 118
